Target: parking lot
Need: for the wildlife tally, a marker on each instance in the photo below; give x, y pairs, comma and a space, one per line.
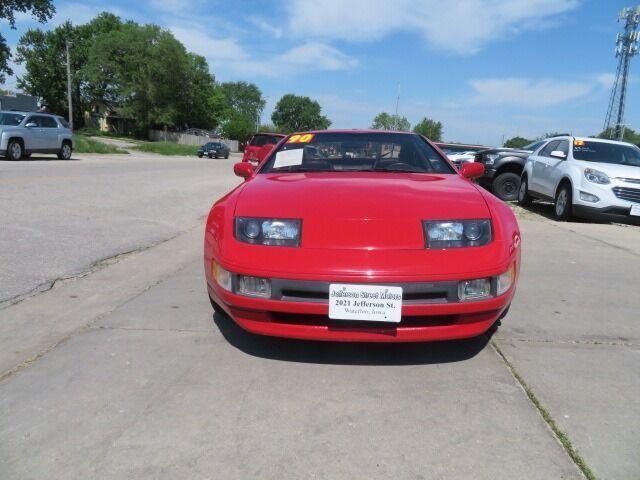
112, 364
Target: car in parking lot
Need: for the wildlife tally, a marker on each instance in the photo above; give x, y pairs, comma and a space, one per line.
214, 150
24, 133
585, 177
260, 146
361, 236
503, 169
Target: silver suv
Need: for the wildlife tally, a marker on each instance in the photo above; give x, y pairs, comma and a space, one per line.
24, 133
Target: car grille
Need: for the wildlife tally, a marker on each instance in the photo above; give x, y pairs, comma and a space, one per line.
629, 194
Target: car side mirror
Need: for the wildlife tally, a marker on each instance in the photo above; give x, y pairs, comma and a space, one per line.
31, 125
243, 169
558, 154
472, 170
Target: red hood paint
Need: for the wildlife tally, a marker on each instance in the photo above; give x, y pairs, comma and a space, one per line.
361, 210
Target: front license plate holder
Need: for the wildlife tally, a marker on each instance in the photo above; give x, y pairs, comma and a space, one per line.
368, 303
635, 211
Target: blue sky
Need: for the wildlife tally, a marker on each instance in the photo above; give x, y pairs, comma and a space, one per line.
485, 68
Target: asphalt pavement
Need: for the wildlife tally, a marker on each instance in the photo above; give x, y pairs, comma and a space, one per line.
123, 371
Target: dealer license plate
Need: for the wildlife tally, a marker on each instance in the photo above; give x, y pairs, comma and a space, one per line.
372, 303
635, 210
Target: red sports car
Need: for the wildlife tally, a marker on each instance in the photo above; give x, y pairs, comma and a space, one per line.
361, 236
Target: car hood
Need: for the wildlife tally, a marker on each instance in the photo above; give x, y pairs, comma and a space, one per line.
361, 210
508, 152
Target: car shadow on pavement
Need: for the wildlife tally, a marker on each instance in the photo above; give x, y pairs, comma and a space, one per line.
340, 353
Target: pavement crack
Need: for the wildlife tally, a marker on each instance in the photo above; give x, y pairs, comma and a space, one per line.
610, 343
88, 326
560, 436
140, 329
93, 268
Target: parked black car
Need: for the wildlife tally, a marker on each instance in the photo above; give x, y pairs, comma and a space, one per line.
503, 168
214, 150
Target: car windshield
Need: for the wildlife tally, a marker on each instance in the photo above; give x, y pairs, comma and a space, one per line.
532, 146
11, 118
602, 152
345, 152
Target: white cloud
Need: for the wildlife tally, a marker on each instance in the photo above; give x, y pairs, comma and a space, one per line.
526, 93
606, 79
228, 55
459, 26
214, 49
275, 32
317, 56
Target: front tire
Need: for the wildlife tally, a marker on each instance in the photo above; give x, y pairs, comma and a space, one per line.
65, 151
563, 204
14, 150
506, 185
524, 199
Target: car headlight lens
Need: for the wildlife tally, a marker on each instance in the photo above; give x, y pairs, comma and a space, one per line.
596, 176
265, 231
491, 158
474, 289
457, 233
222, 276
505, 280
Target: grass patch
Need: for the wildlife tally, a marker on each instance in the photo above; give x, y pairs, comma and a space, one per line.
167, 148
560, 435
83, 144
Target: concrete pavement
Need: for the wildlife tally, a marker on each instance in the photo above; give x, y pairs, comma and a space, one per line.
61, 217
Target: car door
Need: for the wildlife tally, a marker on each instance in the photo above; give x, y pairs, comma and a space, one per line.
32, 133
50, 133
554, 168
539, 164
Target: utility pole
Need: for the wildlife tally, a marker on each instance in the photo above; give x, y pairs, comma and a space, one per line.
626, 47
69, 88
395, 118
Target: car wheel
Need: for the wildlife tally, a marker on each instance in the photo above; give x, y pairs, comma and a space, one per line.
14, 150
506, 186
523, 193
65, 151
199, 155
227, 155
563, 203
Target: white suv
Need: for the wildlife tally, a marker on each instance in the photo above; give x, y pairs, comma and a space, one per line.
586, 177
24, 133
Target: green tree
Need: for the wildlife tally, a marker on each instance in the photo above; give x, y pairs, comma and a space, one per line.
43, 55
42, 10
517, 142
386, 121
429, 128
238, 127
243, 98
295, 113
629, 135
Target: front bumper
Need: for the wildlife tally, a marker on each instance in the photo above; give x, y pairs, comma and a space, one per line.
429, 313
610, 206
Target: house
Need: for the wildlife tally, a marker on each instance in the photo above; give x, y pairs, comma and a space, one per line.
18, 101
108, 118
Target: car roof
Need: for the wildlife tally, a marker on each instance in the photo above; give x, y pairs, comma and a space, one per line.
271, 133
588, 139
22, 112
